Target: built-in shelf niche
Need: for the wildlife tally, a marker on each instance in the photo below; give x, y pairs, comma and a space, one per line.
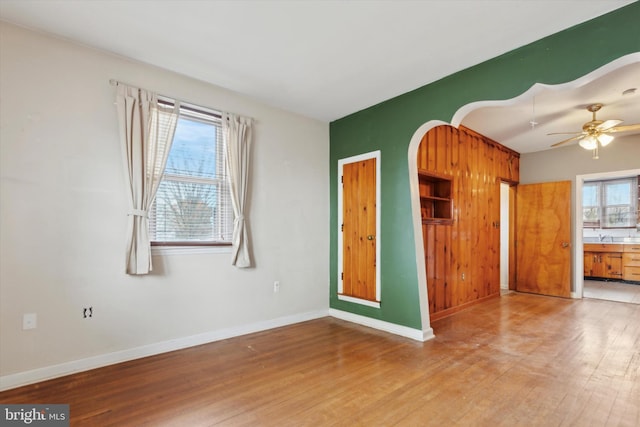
436, 204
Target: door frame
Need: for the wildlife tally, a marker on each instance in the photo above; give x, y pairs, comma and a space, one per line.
358, 158
510, 228
578, 279
505, 235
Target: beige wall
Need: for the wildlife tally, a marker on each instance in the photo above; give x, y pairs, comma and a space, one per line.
566, 162
63, 217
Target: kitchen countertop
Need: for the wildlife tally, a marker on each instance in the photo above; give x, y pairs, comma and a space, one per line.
615, 240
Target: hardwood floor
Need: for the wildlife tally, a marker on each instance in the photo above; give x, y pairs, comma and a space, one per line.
517, 360
612, 291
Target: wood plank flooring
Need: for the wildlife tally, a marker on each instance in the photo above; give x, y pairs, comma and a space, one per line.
517, 360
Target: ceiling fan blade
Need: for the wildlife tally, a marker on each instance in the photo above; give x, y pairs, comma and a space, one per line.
624, 128
567, 133
568, 140
608, 124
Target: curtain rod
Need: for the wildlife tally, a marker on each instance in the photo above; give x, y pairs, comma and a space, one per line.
217, 113
114, 82
183, 105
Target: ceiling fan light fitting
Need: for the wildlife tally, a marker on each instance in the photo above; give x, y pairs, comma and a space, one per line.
605, 139
596, 133
588, 143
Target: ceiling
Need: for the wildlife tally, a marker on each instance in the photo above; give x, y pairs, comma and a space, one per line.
562, 109
326, 59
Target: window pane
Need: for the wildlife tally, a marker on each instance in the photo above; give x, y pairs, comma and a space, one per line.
591, 205
193, 152
590, 215
590, 195
185, 211
618, 216
618, 193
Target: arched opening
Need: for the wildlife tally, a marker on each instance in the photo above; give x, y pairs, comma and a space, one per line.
456, 121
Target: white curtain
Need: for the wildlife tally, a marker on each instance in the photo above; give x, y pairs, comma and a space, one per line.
146, 134
237, 133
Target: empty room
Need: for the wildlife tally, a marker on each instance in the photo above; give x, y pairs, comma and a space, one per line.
269, 213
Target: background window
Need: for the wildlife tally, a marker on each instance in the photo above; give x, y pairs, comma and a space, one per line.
591, 205
610, 204
193, 203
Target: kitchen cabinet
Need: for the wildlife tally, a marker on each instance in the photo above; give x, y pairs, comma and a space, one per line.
603, 264
589, 258
631, 262
603, 260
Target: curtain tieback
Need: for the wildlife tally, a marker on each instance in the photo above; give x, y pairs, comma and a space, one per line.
138, 212
240, 218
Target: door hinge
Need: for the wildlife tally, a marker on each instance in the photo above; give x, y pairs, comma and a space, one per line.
342, 276
342, 179
341, 227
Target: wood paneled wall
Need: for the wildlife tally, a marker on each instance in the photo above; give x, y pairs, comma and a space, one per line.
463, 258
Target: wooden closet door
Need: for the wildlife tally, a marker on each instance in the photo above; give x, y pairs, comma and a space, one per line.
359, 229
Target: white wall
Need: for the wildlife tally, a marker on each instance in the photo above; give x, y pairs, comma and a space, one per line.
63, 217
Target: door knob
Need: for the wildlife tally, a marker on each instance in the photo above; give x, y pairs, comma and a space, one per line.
565, 244
370, 237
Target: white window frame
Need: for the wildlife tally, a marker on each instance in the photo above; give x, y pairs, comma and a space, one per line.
602, 203
198, 113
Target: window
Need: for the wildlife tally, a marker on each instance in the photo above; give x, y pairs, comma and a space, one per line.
610, 204
193, 203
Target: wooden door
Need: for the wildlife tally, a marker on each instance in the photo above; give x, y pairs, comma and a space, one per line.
359, 230
543, 221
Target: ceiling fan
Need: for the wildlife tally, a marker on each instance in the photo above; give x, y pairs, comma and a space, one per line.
595, 133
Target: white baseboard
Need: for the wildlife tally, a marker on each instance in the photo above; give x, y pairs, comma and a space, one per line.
49, 372
54, 371
415, 334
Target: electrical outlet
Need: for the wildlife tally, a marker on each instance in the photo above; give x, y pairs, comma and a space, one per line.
463, 277
87, 312
29, 321
276, 286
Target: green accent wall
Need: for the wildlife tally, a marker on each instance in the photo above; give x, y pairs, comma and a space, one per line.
389, 126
